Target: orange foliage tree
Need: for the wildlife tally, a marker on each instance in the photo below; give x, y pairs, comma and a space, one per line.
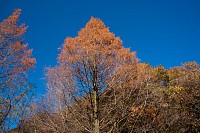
87, 64
15, 62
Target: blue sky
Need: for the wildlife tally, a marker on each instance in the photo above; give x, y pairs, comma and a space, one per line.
163, 32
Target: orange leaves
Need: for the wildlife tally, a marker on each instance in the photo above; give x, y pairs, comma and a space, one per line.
28, 63
14, 17
144, 73
124, 56
150, 111
95, 42
92, 60
95, 24
9, 28
95, 33
69, 50
192, 66
17, 46
15, 62
15, 56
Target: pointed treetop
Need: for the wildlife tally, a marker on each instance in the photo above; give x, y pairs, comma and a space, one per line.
14, 17
95, 23
96, 33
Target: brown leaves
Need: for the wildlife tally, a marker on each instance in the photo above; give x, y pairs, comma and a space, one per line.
186, 75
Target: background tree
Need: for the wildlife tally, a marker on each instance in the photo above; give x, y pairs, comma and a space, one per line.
137, 100
15, 62
184, 96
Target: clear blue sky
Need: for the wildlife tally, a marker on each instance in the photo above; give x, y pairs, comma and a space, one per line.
163, 32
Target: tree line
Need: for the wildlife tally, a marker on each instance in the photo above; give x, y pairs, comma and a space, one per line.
97, 86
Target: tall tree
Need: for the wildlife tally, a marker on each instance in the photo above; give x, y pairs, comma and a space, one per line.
87, 63
15, 62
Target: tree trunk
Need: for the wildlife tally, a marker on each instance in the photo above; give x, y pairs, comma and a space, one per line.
96, 100
96, 115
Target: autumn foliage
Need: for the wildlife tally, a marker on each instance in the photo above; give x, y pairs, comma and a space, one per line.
98, 86
15, 62
88, 63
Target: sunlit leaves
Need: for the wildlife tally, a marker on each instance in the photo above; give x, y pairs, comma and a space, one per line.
15, 62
